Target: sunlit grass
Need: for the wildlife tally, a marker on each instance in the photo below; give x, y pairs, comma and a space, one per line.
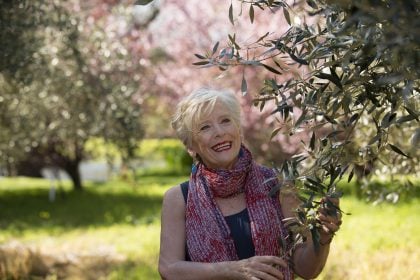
376, 242
25, 183
122, 218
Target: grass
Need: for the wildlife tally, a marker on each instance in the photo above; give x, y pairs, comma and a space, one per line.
375, 242
115, 216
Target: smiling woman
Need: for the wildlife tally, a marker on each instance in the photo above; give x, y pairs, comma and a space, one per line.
216, 138
222, 224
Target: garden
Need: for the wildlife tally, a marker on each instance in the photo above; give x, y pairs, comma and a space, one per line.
329, 92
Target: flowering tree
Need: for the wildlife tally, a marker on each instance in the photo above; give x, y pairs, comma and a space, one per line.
185, 26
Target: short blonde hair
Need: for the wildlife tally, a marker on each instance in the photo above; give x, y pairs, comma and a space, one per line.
197, 105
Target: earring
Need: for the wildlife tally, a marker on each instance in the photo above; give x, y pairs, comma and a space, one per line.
193, 168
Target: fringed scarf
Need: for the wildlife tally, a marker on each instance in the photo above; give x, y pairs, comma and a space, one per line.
208, 235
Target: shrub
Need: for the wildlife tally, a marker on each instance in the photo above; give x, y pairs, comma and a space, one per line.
382, 189
170, 151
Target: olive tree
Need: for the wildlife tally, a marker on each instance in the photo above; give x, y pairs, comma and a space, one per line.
66, 75
352, 84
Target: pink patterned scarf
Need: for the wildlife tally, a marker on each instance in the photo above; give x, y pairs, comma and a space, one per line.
208, 235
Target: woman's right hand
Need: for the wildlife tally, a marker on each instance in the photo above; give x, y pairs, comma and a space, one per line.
260, 267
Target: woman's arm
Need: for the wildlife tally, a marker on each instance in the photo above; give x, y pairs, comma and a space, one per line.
308, 263
172, 264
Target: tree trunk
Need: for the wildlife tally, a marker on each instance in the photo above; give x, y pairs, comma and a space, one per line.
72, 168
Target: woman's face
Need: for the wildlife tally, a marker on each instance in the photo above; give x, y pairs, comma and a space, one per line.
217, 138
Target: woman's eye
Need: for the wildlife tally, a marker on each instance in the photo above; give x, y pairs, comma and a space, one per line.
226, 121
204, 127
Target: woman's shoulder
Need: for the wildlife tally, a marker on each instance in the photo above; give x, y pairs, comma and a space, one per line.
173, 209
174, 196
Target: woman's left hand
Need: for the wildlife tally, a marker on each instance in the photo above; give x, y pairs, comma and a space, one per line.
329, 216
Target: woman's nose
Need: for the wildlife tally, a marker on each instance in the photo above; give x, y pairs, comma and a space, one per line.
219, 130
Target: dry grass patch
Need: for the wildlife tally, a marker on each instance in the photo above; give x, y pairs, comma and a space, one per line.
20, 261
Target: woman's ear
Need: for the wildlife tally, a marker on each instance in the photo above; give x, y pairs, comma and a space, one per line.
195, 156
192, 153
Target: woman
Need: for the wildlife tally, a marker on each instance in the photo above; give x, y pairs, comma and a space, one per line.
222, 224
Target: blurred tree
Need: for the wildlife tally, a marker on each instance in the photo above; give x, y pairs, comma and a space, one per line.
355, 85
159, 51
67, 73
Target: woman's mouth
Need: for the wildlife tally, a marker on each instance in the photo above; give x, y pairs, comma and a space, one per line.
220, 147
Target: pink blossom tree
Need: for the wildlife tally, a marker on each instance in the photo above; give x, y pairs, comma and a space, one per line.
184, 27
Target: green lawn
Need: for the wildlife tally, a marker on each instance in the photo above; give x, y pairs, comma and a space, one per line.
375, 242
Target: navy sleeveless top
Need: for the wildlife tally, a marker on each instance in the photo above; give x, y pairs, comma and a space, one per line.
240, 230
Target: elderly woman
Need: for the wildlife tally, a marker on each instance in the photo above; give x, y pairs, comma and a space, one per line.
222, 224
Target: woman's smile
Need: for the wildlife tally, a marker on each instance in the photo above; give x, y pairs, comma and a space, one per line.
221, 147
